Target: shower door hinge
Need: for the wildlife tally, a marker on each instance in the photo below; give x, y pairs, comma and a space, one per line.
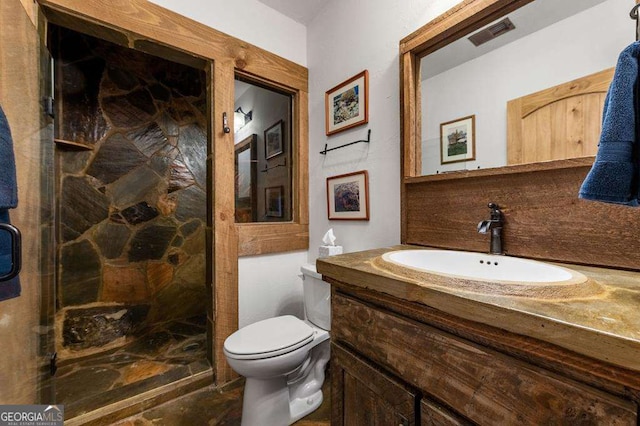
53, 363
49, 106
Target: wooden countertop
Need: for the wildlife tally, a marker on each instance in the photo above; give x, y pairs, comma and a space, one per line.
604, 325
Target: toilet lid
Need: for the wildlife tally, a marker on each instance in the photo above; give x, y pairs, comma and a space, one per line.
270, 337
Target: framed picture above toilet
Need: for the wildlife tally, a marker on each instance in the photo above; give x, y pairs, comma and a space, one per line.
348, 196
347, 104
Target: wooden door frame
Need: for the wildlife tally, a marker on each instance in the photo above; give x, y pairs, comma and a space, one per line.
145, 26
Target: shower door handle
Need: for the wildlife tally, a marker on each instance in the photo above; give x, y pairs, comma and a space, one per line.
16, 251
225, 123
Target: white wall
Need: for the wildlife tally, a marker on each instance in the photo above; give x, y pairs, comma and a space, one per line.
346, 37
268, 285
582, 44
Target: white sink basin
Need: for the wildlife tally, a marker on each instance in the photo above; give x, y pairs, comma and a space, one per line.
483, 267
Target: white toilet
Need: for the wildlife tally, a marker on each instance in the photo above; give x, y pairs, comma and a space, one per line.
284, 358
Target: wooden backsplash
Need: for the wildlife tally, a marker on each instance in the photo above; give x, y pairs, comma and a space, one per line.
544, 219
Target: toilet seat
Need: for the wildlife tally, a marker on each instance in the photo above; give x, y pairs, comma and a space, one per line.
269, 338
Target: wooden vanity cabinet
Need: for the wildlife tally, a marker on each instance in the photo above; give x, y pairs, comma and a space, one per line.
392, 369
364, 395
367, 395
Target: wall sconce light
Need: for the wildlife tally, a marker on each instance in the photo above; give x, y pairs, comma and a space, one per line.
241, 118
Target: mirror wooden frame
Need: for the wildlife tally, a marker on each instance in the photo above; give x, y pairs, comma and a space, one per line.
462, 19
434, 207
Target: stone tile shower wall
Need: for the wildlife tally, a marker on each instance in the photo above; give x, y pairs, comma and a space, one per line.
132, 148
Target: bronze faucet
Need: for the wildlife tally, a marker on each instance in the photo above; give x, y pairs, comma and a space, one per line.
494, 224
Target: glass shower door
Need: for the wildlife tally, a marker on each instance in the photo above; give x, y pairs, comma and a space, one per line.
26, 321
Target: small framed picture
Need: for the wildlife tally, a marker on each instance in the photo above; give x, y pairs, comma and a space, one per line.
347, 104
274, 201
274, 140
348, 196
458, 140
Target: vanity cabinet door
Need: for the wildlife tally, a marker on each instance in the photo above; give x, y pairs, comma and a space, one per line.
362, 395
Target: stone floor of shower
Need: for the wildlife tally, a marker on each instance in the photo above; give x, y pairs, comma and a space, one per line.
159, 355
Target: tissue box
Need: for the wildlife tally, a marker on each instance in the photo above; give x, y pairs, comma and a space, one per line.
325, 251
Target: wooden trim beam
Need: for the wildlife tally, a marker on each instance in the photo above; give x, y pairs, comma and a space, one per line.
264, 238
143, 20
225, 248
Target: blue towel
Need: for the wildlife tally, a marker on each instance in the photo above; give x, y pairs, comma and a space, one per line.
8, 200
614, 176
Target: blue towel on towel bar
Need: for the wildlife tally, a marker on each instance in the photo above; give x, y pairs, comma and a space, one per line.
8, 200
614, 176
8, 187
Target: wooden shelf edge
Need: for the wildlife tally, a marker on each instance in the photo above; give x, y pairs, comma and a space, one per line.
76, 146
505, 170
269, 238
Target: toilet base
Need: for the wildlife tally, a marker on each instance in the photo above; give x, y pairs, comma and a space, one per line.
283, 400
302, 406
265, 402
271, 405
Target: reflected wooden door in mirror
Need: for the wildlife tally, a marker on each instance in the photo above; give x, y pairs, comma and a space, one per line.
561, 122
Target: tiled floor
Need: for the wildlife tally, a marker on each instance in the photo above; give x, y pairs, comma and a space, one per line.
157, 357
210, 407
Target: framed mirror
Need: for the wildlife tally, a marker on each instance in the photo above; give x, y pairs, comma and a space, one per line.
532, 74
264, 152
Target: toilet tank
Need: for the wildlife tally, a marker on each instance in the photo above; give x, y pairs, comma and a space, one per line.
317, 297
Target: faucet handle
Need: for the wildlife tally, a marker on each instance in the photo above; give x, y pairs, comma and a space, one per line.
496, 214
